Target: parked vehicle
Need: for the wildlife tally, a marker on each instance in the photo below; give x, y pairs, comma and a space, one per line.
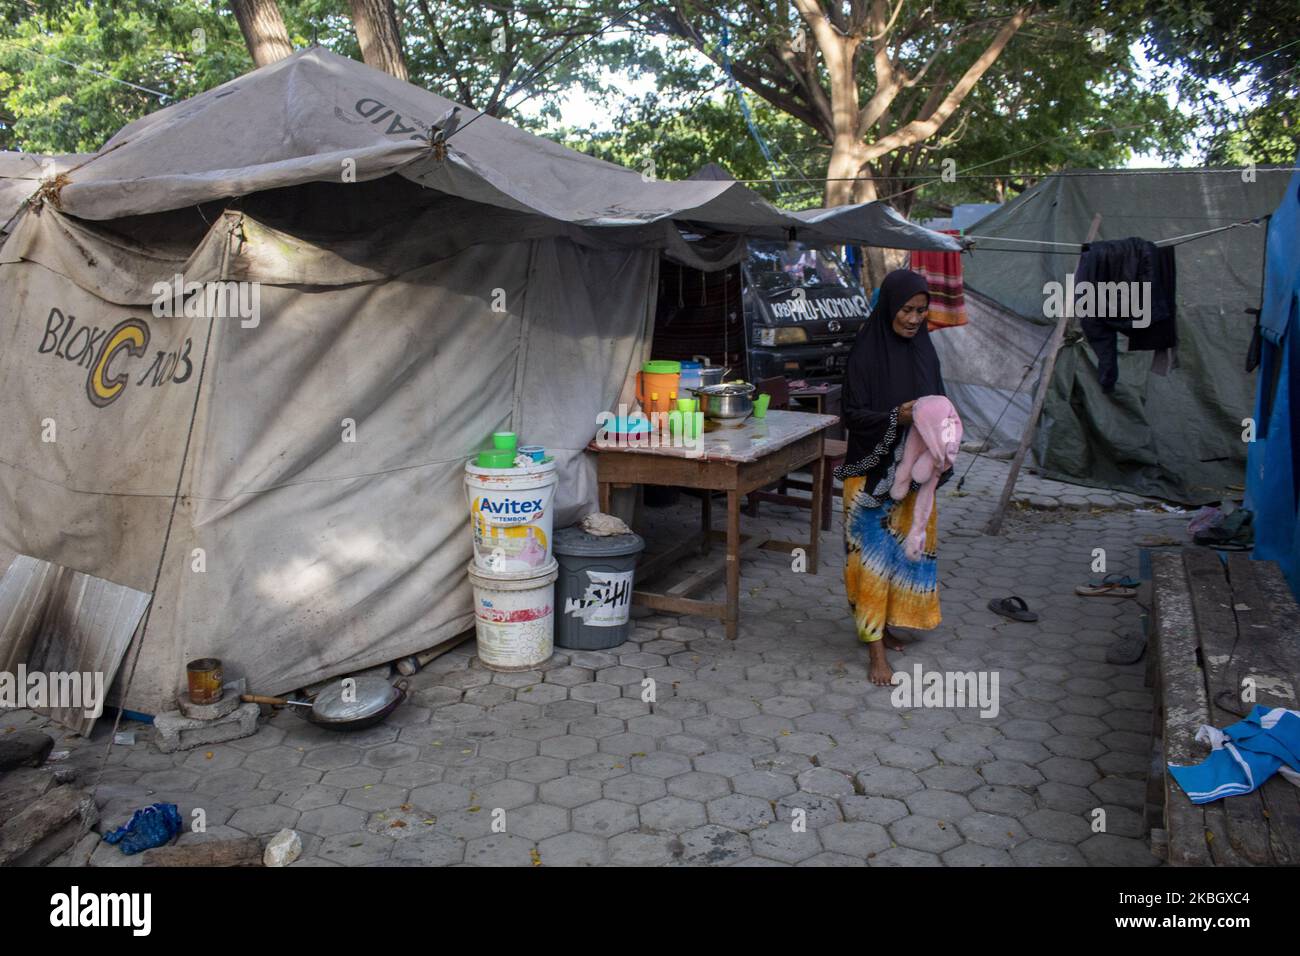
787, 309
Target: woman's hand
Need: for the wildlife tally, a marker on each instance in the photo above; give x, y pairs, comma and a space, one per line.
905, 412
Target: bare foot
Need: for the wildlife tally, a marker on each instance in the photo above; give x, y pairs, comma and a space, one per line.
878, 671
892, 641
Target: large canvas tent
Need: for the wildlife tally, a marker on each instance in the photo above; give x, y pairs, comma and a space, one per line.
1177, 436
281, 464
1273, 475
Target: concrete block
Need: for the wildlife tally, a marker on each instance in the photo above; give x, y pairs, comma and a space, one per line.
175, 731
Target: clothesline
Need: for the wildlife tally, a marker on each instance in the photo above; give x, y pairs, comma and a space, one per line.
1078, 246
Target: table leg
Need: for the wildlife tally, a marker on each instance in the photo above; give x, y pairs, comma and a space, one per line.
706, 520
818, 491
733, 564
604, 496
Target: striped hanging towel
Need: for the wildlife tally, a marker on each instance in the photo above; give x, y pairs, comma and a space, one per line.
942, 270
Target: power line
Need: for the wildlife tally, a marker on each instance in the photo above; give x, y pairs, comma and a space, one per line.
79, 66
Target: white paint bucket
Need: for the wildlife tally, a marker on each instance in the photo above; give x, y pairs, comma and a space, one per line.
514, 617
511, 515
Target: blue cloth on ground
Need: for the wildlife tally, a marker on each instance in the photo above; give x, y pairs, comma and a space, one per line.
153, 826
1244, 756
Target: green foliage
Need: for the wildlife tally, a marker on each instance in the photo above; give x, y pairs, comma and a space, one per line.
1252, 41
51, 96
51, 101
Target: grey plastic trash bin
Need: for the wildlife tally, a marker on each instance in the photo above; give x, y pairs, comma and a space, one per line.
593, 595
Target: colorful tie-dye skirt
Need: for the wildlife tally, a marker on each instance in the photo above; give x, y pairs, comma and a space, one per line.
884, 586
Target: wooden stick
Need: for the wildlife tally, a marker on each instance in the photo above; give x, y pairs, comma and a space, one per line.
241, 851
1040, 397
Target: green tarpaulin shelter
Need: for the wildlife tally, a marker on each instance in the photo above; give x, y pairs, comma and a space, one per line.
1176, 436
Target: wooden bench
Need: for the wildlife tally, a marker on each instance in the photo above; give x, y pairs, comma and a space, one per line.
1220, 626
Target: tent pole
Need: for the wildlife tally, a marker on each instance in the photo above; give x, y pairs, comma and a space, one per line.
1040, 397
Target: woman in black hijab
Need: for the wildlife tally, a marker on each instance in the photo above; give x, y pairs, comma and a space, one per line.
891, 365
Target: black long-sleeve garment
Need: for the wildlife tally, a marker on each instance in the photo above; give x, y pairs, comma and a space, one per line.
885, 369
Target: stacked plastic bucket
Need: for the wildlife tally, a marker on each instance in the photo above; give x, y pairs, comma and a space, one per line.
513, 572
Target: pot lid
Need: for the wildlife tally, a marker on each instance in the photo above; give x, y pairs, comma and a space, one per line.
728, 388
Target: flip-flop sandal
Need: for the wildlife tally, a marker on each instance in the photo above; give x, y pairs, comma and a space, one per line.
1014, 608
1105, 590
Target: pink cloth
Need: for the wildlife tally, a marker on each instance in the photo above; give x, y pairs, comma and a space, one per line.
932, 446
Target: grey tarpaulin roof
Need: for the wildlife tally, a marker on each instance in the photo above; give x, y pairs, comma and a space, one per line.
1176, 436
310, 116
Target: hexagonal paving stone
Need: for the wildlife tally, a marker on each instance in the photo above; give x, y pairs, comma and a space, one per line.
430, 849
264, 820
699, 786
903, 856
379, 796
672, 814
926, 834
599, 766
536, 769
971, 854
713, 845
358, 848
887, 782
764, 783
914, 759
391, 755
605, 818
1046, 853
1107, 849
570, 792
988, 829
880, 810
862, 840
500, 849
504, 794
1010, 773
596, 727
641, 849
1056, 826
824, 781
537, 821
660, 765
635, 788
627, 744
348, 777
741, 812
780, 842
568, 747
331, 820
939, 804
956, 779
440, 797
573, 849
542, 695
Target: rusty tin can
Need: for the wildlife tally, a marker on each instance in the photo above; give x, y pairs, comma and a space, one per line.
205, 680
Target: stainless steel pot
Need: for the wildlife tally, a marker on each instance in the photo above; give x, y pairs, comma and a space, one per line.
711, 375
730, 401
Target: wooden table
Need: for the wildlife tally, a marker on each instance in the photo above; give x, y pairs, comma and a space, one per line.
734, 459
826, 399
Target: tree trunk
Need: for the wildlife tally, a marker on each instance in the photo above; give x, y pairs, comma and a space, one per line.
381, 41
263, 29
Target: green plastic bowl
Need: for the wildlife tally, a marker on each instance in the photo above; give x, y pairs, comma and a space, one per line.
494, 458
662, 367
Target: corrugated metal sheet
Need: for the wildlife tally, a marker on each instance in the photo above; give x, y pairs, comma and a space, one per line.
54, 620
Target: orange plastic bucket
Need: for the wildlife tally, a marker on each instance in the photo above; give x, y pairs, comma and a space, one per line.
656, 384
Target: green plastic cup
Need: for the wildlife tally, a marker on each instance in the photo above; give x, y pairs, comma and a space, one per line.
505, 441
495, 458
760, 406
686, 405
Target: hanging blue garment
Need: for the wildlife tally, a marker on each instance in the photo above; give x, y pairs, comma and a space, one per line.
1245, 755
